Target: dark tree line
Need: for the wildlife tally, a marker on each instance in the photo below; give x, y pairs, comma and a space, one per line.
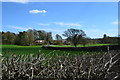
26, 38
110, 40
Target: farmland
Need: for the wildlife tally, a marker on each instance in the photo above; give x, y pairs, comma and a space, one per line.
81, 45
10, 49
35, 62
85, 67
59, 41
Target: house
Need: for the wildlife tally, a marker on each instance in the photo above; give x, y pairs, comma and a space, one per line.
39, 41
66, 42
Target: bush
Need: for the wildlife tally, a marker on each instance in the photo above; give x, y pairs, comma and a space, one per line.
57, 42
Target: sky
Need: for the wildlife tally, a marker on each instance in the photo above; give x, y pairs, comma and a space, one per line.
24, 1
95, 18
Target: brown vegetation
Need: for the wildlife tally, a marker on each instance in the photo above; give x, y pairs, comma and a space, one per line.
99, 66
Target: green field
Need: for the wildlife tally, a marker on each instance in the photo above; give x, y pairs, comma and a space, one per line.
15, 49
88, 45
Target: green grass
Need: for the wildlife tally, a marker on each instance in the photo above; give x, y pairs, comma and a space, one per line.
15, 49
88, 45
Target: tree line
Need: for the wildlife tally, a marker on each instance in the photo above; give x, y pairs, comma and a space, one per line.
73, 36
25, 38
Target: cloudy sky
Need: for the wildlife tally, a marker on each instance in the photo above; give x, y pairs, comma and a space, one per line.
95, 18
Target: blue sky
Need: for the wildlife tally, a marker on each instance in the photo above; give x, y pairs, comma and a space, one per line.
95, 18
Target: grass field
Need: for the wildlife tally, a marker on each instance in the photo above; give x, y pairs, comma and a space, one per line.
15, 49
80, 45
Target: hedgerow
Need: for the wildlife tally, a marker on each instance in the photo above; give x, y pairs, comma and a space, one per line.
99, 66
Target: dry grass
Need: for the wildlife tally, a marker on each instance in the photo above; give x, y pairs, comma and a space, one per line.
85, 67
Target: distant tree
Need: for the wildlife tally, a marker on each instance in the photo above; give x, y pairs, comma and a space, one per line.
23, 38
48, 38
83, 41
8, 38
104, 36
74, 35
105, 39
58, 37
30, 37
3, 32
0, 38
41, 34
35, 33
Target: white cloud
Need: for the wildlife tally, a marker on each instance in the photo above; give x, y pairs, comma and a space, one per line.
37, 11
116, 22
61, 24
44, 24
53, 30
68, 24
18, 1
20, 28
93, 31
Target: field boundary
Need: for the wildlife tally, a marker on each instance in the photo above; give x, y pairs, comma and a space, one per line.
91, 48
